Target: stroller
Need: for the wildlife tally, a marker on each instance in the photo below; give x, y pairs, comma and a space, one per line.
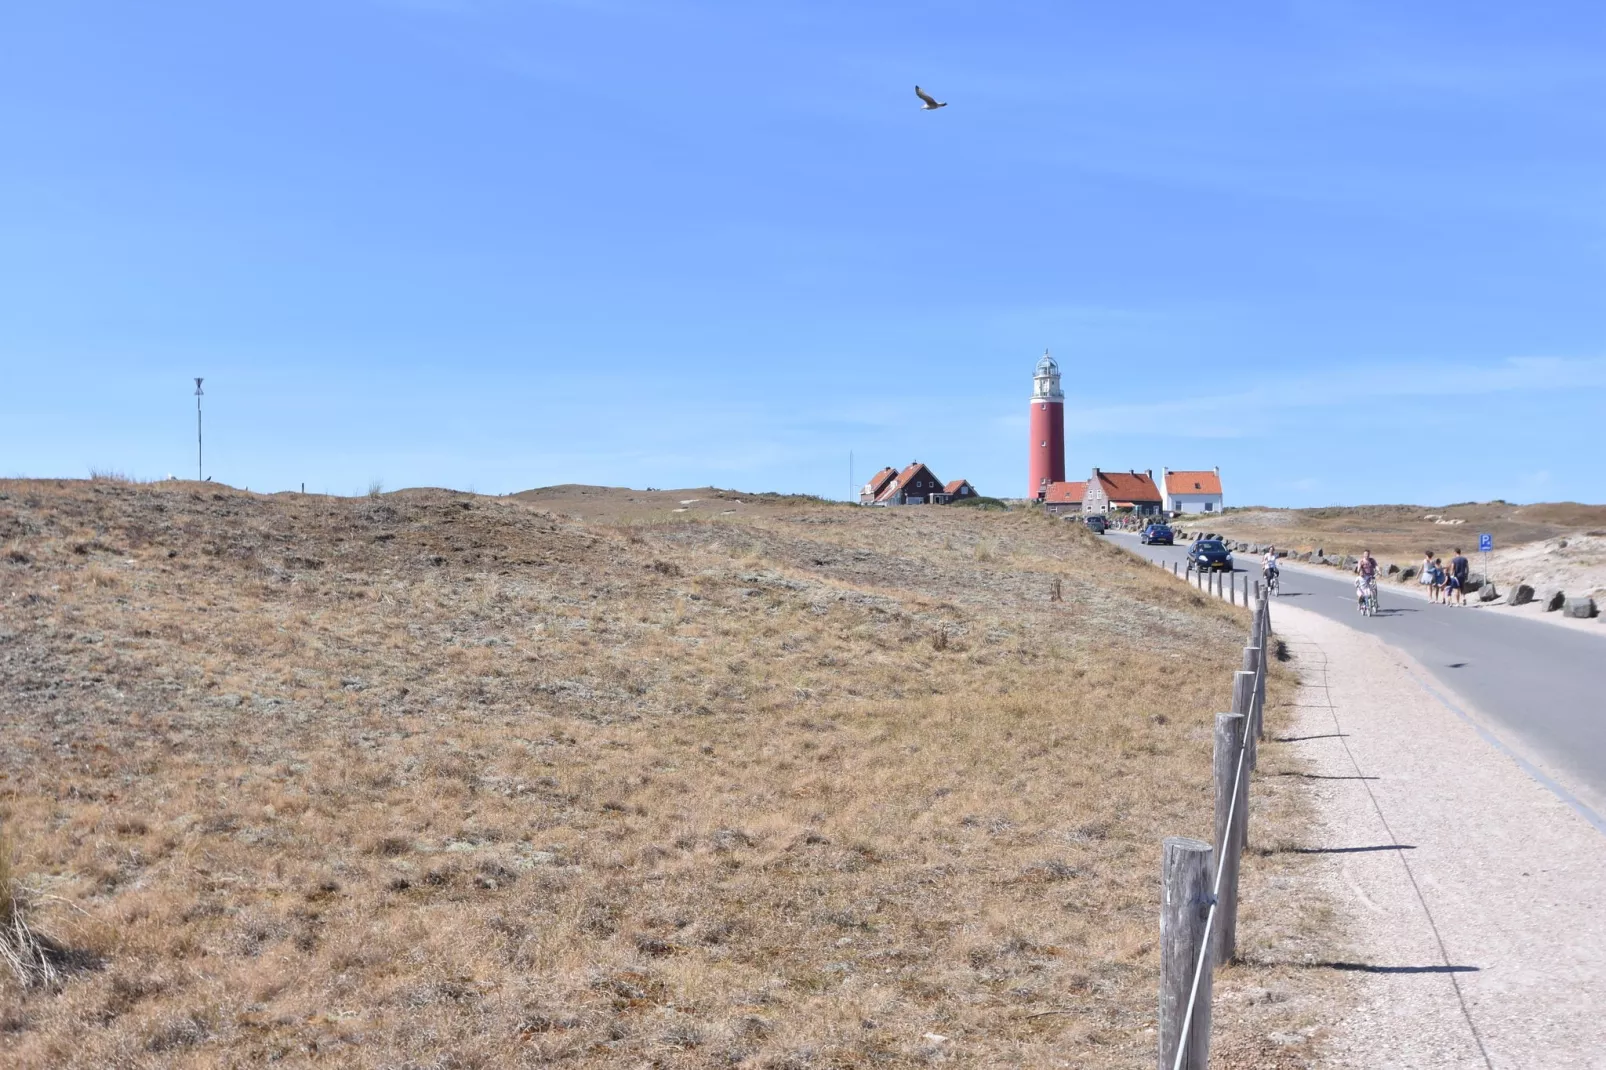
1366, 596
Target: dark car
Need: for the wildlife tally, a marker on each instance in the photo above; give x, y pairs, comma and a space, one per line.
1095, 523
1155, 535
1210, 555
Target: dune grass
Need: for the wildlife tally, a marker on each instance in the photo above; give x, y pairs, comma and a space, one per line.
431, 779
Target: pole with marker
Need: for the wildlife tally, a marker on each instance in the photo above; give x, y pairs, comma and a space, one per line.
198, 428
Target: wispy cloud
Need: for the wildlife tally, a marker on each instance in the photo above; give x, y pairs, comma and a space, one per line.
1226, 415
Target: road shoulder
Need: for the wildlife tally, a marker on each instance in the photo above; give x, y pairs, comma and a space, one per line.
1468, 932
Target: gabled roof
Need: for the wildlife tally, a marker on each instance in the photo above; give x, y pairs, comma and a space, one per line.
1073, 491
891, 490
1192, 483
953, 488
879, 481
1128, 487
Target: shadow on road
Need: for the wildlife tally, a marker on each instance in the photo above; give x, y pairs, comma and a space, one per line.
1343, 850
1365, 967
1324, 776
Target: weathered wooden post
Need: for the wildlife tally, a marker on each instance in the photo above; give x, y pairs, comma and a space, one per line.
1262, 640
1184, 914
1229, 742
1173, 568
1243, 698
1252, 667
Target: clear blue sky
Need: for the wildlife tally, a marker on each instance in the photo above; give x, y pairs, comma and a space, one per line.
1348, 251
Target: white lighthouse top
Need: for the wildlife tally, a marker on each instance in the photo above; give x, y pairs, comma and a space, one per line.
1046, 380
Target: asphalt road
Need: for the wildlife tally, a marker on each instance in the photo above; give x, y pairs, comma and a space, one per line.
1538, 688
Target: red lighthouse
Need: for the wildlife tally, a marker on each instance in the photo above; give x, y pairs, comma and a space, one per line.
1045, 462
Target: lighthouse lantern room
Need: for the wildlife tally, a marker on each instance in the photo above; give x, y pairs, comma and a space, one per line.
1046, 453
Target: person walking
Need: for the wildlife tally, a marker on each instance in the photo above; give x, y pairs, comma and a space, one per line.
1460, 570
1436, 581
1426, 571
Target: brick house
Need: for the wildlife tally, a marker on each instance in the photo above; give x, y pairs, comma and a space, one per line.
915, 485
1122, 492
878, 483
959, 489
1066, 497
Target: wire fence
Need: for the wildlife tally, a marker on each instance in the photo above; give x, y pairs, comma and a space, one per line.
1199, 880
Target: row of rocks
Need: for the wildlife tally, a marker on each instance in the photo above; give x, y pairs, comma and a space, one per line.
1582, 606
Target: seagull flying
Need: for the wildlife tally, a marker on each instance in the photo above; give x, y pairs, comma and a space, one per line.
927, 101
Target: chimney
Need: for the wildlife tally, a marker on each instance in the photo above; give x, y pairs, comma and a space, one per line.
1095, 473
1217, 469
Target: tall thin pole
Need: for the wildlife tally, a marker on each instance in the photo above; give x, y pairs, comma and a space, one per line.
197, 428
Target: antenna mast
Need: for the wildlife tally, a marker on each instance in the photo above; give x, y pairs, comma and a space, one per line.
197, 428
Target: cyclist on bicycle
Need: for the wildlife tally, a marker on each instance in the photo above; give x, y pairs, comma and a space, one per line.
1367, 570
1270, 571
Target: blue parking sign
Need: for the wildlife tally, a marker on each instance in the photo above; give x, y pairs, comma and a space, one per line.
1485, 542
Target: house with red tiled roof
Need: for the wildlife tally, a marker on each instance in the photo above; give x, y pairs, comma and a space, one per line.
959, 489
1064, 497
1122, 492
914, 485
1191, 492
878, 483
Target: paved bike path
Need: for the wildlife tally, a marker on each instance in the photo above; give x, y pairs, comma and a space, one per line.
1538, 689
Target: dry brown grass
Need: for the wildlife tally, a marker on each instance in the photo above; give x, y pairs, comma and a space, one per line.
430, 779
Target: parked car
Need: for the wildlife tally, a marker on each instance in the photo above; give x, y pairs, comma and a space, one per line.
1155, 535
1095, 523
1210, 555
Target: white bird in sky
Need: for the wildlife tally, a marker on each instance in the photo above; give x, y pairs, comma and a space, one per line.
928, 102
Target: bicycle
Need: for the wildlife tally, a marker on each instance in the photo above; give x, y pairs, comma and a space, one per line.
1273, 579
1366, 597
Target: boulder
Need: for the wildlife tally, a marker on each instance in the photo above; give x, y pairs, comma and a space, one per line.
1474, 583
1582, 607
1407, 573
1488, 594
1320, 552
1554, 600
1392, 569
1348, 561
1520, 595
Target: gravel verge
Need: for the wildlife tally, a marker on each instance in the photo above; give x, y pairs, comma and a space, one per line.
1469, 932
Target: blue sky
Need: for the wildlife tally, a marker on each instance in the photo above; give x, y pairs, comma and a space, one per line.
1348, 251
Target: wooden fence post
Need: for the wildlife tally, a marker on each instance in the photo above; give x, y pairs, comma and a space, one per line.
1184, 908
1251, 666
1262, 640
1243, 700
1230, 739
